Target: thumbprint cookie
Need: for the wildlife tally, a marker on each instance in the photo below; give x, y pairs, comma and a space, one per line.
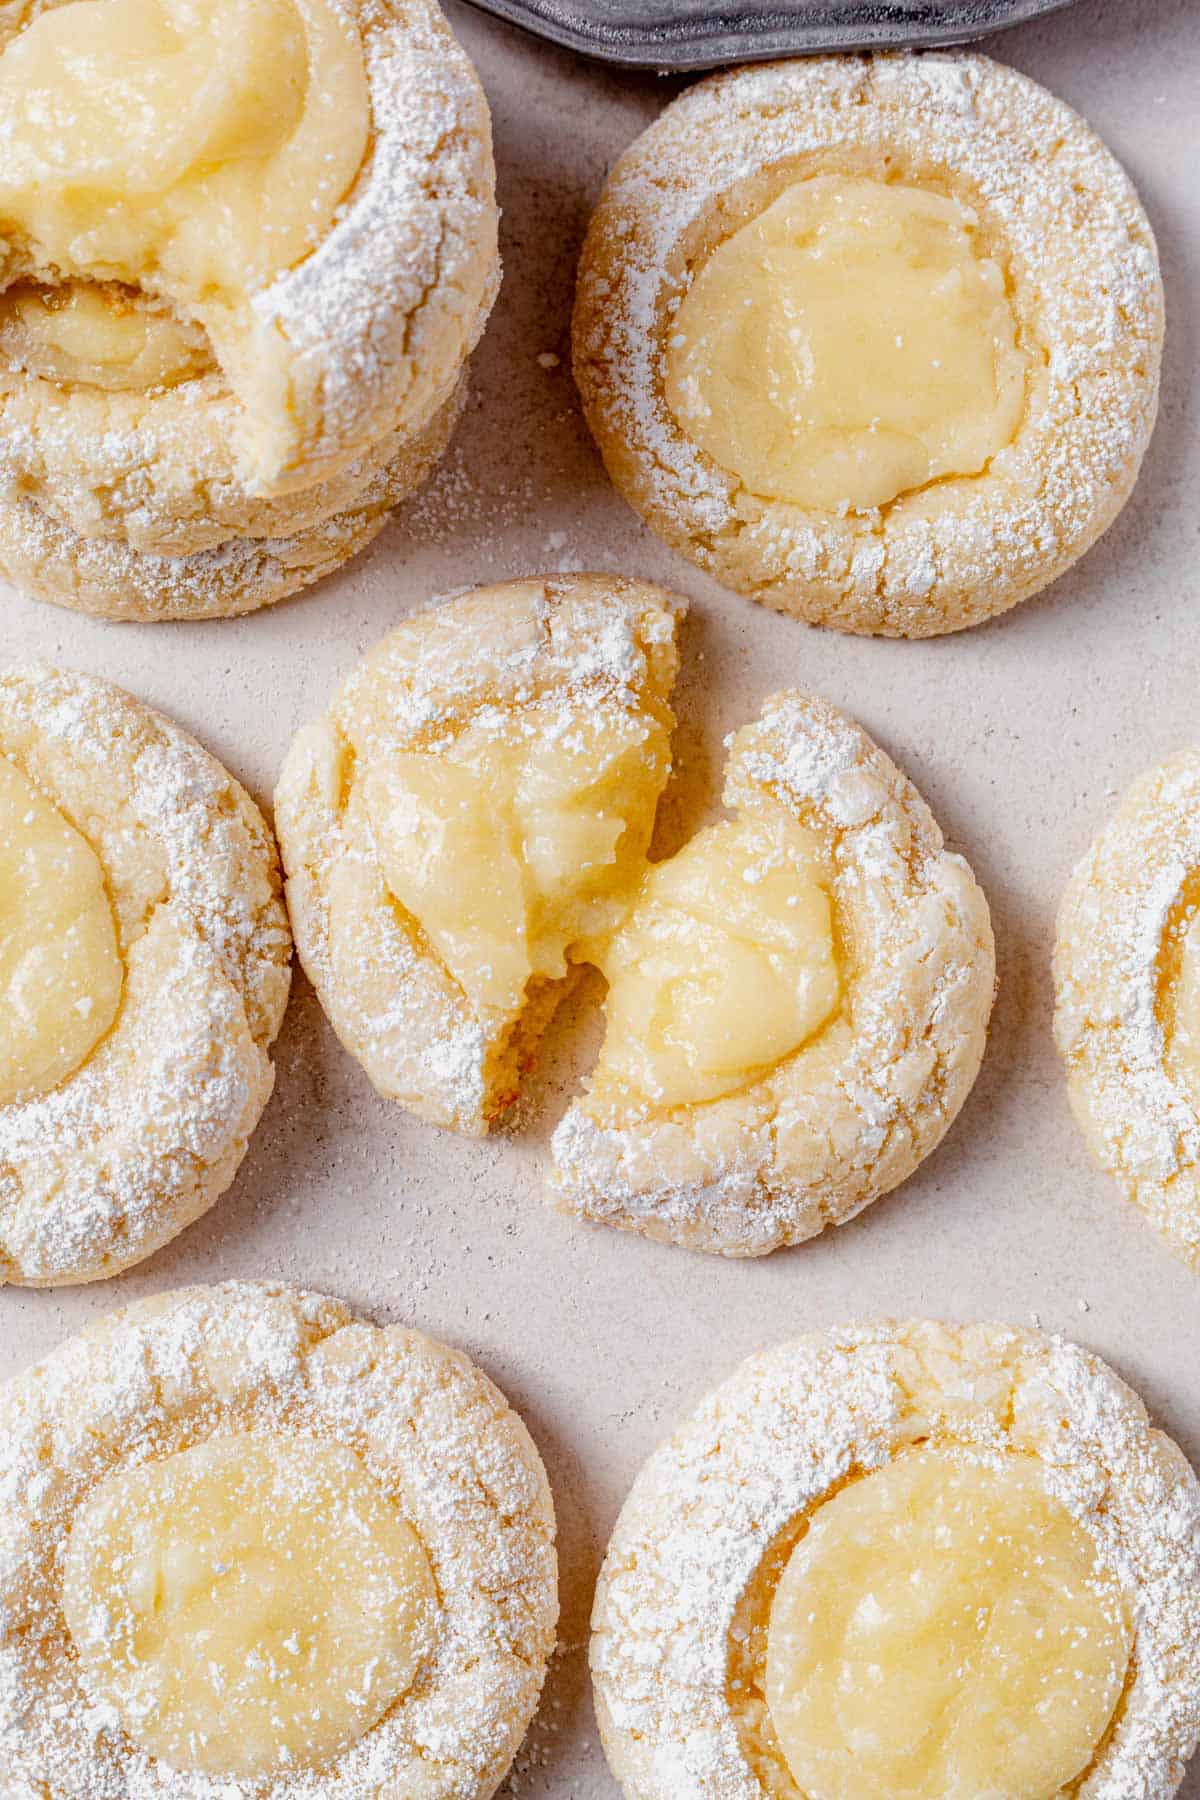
1127, 974
921, 1561
797, 1003
476, 803
874, 340
255, 1549
247, 249
144, 967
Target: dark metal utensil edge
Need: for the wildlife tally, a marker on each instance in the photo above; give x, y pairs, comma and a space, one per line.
719, 39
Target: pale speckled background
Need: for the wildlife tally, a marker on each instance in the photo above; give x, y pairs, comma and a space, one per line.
1018, 733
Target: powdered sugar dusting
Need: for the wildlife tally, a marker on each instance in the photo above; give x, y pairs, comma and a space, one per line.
434, 1433
1127, 904
852, 1112
1060, 217
141, 1139
108, 577
792, 1424
380, 319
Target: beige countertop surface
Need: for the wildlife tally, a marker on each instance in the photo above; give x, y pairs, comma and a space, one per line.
1019, 733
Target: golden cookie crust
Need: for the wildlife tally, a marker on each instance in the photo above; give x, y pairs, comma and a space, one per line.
389, 998
1056, 211
677, 1647
1115, 968
852, 1113
183, 1367
150, 1130
360, 343
46, 558
205, 503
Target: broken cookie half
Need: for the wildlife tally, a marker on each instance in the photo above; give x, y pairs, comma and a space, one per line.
477, 801
798, 1003
797, 1000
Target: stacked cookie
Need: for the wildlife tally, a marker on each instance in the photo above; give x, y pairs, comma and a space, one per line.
234, 331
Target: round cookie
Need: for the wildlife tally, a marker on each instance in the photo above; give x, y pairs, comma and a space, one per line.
923, 1560
797, 1005
317, 338
144, 971
1127, 982
873, 340
100, 575
474, 805
258, 1550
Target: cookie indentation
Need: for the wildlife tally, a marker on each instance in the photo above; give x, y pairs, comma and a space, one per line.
60, 964
905, 1559
847, 345
193, 145
725, 965
251, 1604
944, 1628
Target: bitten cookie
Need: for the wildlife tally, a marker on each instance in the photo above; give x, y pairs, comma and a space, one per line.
874, 340
797, 1003
1127, 978
925, 1561
255, 1549
227, 306
474, 807
144, 969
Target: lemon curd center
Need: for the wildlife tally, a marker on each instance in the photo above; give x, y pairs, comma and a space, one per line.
850, 344
251, 1604
196, 147
724, 966
944, 1630
511, 844
99, 334
60, 966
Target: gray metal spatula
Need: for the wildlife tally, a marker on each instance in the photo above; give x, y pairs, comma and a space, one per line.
700, 34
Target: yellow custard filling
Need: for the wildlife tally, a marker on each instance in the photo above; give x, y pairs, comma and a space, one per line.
196, 147
60, 965
252, 1604
516, 840
99, 334
945, 1630
725, 964
848, 345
